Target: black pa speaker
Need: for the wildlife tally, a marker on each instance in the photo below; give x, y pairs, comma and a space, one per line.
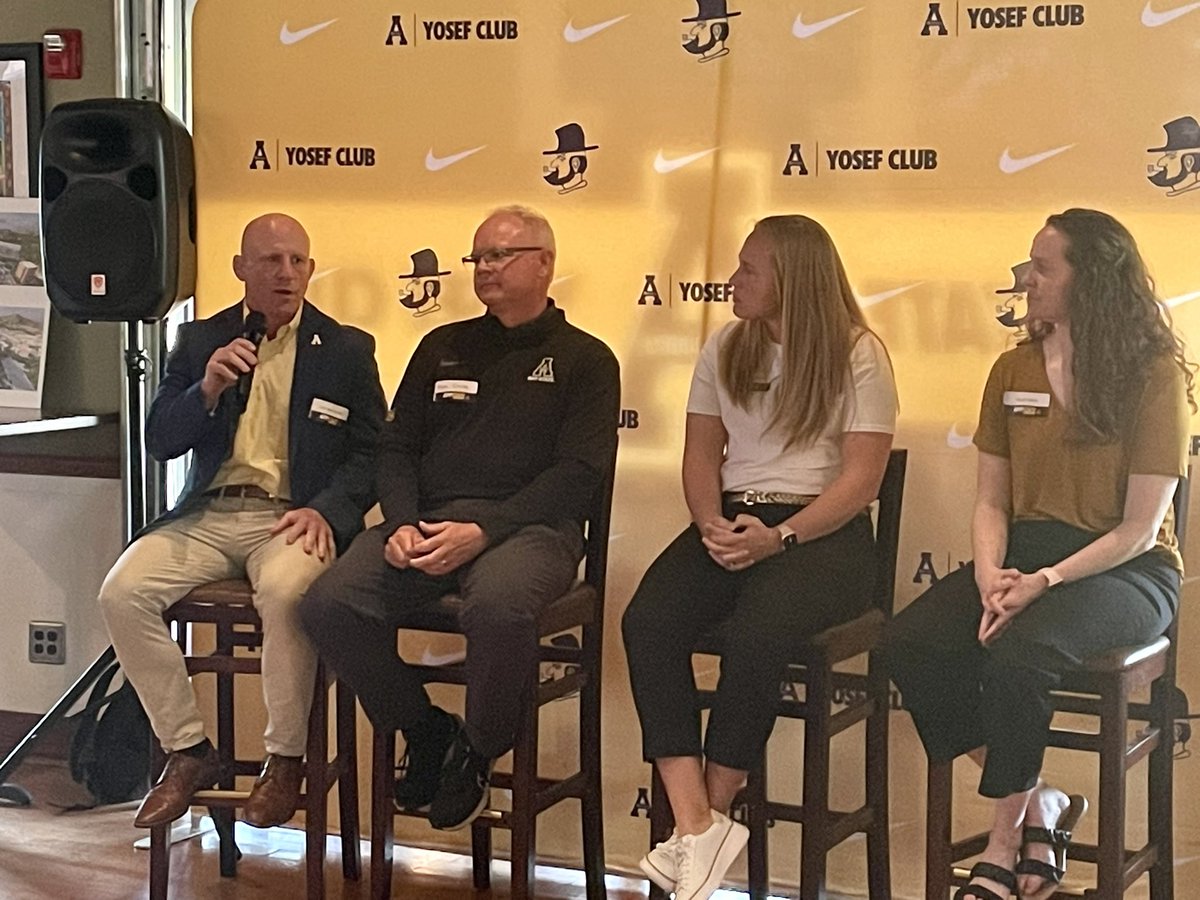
118, 210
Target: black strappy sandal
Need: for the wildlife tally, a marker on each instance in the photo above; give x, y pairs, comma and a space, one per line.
993, 872
1058, 838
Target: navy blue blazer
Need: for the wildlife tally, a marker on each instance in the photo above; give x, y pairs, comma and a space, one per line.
331, 467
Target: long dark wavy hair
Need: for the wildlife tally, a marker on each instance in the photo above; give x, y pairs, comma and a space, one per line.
1119, 327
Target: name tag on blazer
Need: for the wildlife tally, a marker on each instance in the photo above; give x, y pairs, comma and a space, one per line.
327, 412
1027, 403
459, 390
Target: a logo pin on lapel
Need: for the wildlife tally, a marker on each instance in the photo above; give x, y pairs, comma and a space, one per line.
316, 341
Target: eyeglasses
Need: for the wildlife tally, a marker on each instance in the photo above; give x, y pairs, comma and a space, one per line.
496, 256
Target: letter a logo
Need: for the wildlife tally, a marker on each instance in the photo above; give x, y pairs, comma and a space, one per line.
795, 160
642, 804
260, 156
925, 569
649, 290
544, 371
396, 33
934, 20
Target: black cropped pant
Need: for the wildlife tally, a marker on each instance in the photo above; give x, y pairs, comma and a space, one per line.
963, 695
769, 610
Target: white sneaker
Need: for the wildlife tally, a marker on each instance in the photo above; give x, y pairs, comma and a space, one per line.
659, 864
701, 860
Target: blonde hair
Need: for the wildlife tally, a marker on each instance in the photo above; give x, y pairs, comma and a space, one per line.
821, 322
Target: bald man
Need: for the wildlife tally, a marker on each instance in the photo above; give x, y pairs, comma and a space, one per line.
281, 474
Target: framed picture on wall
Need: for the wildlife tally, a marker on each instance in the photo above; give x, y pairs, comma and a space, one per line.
20, 118
24, 304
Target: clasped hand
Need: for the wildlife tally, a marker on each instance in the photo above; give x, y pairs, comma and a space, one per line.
435, 548
1004, 593
740, 543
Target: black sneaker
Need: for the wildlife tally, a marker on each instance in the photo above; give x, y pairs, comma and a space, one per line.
420, 768
463, 791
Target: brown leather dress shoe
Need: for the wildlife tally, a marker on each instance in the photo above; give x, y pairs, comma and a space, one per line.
182, 776
276, 793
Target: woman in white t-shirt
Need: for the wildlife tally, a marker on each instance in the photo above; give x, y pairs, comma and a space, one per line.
789, 426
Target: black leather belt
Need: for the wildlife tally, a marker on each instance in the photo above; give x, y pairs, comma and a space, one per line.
244, 491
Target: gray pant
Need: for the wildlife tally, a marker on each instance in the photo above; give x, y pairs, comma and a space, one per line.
352, 613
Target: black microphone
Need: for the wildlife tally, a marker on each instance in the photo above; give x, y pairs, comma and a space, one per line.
254, 331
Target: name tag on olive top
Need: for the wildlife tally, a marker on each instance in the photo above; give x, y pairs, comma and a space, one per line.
455, 389
329, 413
1027, 403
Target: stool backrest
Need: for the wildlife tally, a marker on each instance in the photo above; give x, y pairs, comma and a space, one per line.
1180, 502
595, 560
887, 530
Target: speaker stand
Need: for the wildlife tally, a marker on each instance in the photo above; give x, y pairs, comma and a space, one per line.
142, 481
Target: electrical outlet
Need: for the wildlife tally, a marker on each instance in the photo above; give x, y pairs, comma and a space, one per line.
48, 643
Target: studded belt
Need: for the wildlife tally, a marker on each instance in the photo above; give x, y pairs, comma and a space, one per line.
782, 498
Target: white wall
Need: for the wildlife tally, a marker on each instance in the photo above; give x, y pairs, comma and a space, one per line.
58, 538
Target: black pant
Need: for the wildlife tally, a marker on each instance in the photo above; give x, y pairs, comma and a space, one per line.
768, 609
352, 613
963, 695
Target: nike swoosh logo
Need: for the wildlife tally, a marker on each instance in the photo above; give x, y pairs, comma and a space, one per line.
573, 35
957, 441
1152, 19
872, 299
1172, 302
287, 36
801, 30
662, 165
1010, 164
437, 163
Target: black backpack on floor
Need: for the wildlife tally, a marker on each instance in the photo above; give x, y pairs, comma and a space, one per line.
110, 752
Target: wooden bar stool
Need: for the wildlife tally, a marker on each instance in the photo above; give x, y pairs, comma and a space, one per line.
582, 609
1105, 690
227, 606
867, 700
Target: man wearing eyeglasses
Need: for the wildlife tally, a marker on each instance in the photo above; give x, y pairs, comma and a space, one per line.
501, 430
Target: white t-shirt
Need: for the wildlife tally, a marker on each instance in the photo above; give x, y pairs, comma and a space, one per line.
755, 457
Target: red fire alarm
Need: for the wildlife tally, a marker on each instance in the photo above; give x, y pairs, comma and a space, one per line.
62, 53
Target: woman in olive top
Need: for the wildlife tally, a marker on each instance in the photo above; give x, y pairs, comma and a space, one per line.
1082, 439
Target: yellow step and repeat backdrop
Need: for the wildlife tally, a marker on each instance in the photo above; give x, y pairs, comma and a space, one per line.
931, 138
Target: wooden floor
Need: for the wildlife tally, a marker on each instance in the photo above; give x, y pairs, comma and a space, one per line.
50, 854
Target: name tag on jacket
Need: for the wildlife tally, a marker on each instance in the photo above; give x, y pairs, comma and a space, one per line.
327, 412
454, 389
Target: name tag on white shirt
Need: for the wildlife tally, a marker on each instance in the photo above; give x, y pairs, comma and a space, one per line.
327, 412
454, 389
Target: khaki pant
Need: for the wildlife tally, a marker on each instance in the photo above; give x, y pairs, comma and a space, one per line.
228, 538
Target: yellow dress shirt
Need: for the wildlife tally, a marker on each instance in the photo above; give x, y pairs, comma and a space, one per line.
260, 444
